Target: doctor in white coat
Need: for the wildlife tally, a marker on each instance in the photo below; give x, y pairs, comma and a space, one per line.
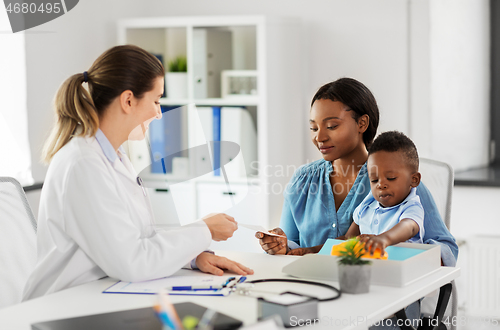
95, 220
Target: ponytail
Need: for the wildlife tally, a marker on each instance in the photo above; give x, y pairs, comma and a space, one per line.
118, 69
74, 107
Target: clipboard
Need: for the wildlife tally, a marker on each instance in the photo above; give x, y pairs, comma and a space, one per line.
154, 286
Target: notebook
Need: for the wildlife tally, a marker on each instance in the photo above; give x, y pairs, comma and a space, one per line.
143, 318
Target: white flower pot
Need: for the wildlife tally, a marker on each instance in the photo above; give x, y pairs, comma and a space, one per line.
176, 85
354, 278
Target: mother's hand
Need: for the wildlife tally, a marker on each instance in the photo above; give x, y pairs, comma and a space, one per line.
273, 244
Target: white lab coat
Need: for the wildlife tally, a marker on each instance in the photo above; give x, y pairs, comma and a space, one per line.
95, 221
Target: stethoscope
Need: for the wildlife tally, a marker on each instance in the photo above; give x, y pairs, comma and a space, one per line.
247, 288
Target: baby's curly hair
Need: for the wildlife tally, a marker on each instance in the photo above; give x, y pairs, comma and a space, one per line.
394, 141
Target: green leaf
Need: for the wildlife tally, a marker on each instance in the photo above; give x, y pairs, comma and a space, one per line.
351, 255
179, 64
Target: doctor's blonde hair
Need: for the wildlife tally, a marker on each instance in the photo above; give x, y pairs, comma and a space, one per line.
118, 69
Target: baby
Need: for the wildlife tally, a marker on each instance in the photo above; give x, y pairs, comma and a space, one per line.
391, 213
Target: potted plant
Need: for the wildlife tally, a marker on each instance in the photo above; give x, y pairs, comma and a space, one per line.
176, 78
354, 272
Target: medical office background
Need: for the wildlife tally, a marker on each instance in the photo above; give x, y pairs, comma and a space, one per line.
426, 61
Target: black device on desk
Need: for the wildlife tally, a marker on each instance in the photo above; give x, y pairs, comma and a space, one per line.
143, 318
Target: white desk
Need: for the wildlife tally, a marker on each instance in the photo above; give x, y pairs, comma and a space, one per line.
348, 312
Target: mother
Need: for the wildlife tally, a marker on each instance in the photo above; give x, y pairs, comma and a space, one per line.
321, 196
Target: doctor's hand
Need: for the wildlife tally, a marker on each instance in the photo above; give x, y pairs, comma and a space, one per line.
210, 263
222, 226
273, 244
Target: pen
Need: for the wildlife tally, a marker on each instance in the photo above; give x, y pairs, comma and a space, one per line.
194, 287
219, 292
232, 283
165, 320
228, 281
139, 182
166, 312
207, 320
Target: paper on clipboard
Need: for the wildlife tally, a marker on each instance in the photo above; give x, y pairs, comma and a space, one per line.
258, 228
154, 286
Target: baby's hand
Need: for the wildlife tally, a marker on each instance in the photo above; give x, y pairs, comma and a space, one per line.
365, 237
374, 242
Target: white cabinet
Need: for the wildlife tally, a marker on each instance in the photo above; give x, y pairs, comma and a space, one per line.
239, 201
211, 55
270, 49
172, 204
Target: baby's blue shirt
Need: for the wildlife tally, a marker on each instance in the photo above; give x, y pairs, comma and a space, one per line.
373, 218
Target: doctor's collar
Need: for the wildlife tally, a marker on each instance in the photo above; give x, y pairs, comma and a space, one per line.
106, 146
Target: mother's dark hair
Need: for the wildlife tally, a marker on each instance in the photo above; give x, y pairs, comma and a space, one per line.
357, 97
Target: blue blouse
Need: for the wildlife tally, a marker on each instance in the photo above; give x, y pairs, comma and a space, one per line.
309, 217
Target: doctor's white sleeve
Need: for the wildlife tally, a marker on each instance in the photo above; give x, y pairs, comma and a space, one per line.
98, 220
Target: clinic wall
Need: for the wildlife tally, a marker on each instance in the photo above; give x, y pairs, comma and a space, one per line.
449, 80
60, 48
474, 212
460, 82
14, 147
362, 39
390, 45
